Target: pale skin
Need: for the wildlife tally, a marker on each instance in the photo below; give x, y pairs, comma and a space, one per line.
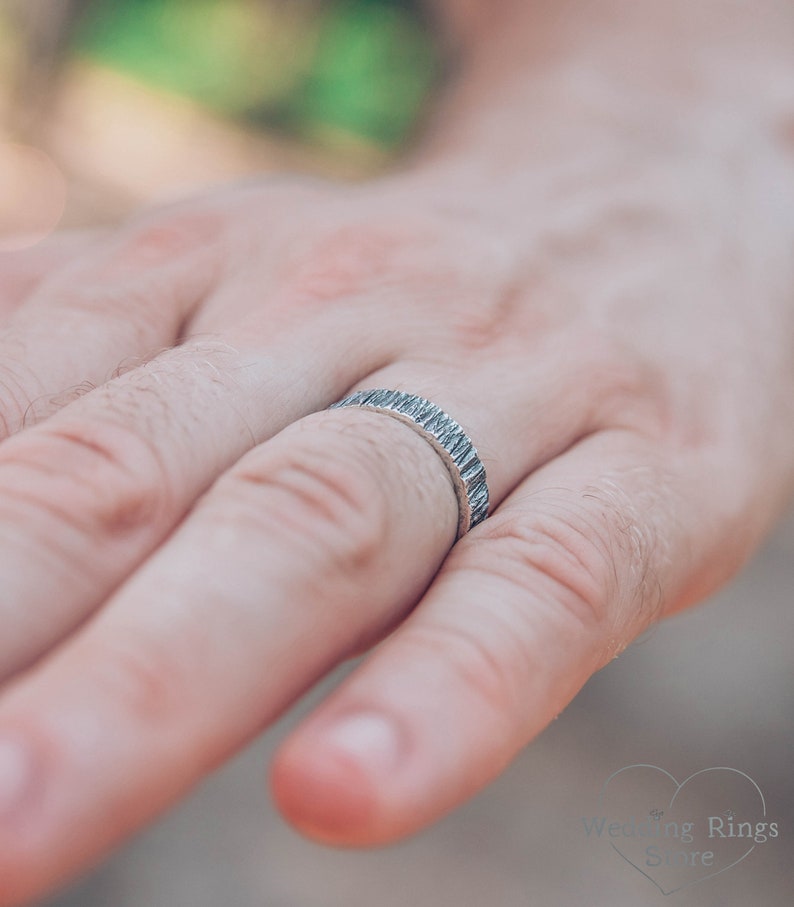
588, 264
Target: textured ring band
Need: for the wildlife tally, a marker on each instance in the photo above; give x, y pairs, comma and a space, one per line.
448, 439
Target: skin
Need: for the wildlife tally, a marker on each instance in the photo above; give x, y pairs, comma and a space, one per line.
587, 264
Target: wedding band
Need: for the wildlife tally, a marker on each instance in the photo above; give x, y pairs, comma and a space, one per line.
447, 438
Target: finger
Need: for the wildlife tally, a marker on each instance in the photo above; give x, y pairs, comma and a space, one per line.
310, 544
125, 300
307, 549
22, 272
575, 563
304, 551
86, 495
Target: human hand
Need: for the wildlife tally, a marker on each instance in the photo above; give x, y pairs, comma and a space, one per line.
23, 271
623, 390
227, 541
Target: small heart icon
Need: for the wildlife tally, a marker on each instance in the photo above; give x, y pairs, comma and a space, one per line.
679, 833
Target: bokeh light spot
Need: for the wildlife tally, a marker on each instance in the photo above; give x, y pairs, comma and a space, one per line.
32, 196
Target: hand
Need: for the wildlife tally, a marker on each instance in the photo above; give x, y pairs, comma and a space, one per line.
23, 271
193, 542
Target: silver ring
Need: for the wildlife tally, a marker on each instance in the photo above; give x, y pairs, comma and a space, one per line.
448, 439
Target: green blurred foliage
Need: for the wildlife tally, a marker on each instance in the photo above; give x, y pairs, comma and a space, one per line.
350, 70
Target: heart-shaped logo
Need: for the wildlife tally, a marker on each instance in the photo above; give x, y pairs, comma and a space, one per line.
679, 833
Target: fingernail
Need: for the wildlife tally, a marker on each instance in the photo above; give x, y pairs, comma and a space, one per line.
14, 775
369, 737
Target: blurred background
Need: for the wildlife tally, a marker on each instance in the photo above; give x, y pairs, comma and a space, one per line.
107, 105
134, 101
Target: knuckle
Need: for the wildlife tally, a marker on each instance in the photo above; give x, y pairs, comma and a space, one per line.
561, 549
623, 387
100, 477
635, 548
144, 680
487, 662
596, 555
153, 271
166, 237
136, 307
322, 498
340, 263
489, 323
